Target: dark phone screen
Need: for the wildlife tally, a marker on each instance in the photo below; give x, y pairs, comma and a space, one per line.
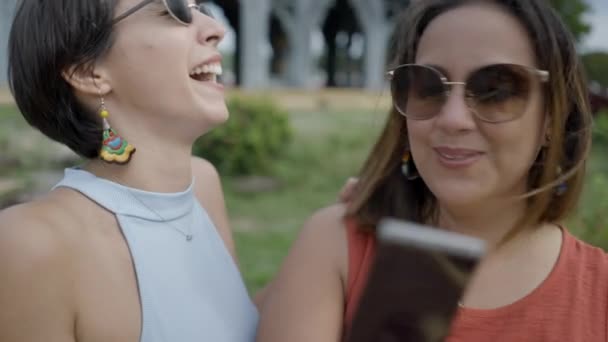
412, 294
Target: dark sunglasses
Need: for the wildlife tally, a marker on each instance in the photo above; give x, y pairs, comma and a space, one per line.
180, 10
495, 93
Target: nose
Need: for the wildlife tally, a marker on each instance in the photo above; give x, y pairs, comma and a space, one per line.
210, 31
455, 115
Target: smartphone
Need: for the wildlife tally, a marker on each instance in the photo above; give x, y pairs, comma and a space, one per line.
416, 281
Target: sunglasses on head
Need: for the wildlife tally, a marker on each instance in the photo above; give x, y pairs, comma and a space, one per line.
180, 10
495, 93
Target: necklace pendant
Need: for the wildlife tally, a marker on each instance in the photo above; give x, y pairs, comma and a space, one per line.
189, 237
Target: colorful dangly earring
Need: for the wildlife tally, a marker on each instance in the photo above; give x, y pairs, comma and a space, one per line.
407, 167
114, 149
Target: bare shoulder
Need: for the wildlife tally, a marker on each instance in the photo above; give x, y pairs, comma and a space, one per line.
324, 231
36, 218
209, 192
31, 243
306, 301
37, 258
324, 236
40, 229
25, 236
330, 216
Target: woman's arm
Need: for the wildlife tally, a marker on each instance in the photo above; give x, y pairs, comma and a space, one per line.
307, 298
37, 283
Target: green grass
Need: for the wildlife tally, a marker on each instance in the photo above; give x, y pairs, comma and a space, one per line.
328, 148
10, 120
590, 222
24, 146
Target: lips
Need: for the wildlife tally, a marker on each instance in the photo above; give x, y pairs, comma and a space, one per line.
457, 157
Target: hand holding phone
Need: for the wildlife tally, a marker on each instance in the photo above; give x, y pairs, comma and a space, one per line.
415, 284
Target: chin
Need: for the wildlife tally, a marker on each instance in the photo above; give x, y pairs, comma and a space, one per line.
202, 120
217, 117
464, 203
459, 194
213, 115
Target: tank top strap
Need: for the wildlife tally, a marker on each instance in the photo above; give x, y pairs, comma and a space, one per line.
361, 253
91, 187
125, 201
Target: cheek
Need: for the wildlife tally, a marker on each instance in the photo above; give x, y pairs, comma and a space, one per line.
144, 69
513, 148
418, 135
150, 55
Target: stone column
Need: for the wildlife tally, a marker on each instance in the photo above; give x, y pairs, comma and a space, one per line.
377, 29
7, 10
299, 18
254, 32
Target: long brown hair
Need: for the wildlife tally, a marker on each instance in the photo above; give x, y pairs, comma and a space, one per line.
384, 192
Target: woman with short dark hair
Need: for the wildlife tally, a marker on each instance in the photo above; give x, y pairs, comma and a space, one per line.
134, 244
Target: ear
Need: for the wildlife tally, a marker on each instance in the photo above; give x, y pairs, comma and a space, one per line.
90, 80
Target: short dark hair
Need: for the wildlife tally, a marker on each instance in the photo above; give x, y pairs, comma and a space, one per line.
49, 38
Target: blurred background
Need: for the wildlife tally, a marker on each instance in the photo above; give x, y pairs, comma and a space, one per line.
307, 97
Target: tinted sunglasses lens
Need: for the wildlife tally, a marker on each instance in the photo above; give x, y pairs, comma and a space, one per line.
179, 10
418, 91
500, 93
205, 10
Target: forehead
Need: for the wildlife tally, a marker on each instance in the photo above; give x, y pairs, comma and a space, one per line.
474, 35
125, 5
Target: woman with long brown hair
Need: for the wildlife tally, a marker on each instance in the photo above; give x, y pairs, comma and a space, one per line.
488, 136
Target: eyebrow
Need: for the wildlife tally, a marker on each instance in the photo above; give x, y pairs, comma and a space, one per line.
442, 70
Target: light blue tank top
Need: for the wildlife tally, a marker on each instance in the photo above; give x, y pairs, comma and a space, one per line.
190, 288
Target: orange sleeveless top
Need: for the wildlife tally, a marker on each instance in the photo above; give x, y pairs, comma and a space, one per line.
570, 305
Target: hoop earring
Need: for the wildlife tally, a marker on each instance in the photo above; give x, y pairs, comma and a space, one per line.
114, 149
407, 166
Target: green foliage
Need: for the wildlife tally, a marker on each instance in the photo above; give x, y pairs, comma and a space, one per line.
254, 135
261, 253
267, 223
573, 12
328, 147
591, 219
596, 64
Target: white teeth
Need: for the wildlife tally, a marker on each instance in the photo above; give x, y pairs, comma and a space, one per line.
213, 68
455, 157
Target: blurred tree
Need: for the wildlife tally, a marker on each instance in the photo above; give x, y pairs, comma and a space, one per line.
572, 12
596, 64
